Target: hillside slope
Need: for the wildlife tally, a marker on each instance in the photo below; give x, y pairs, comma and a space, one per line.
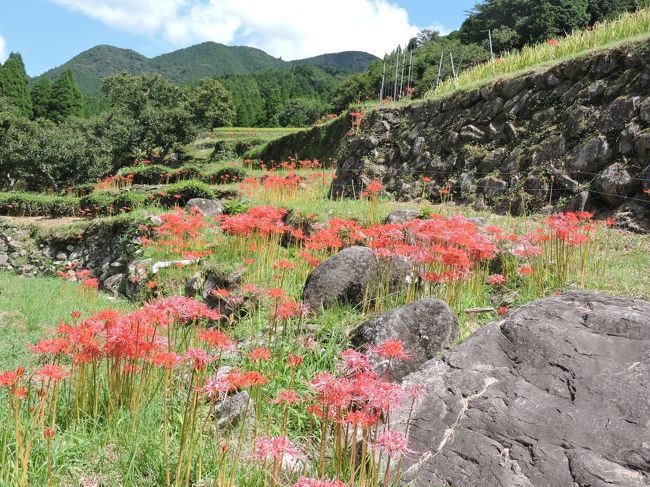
205, 60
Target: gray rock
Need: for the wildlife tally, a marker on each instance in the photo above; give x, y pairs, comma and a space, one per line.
492, 161
491, 186
472, 133
113, 284
618, 114
193, 285
537, 187
549, 150
206, 207
627, 138
642, 146
555, 394
426, 327
615, 183
345, 277
578, 202
633, 216
644, 110
233, 408
563, 181
401, 216
591, 157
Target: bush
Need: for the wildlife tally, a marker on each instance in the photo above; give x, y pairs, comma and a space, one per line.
35, 204
181, 192
225, 175
150, 174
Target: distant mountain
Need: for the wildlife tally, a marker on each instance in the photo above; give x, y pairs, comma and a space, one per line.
205, 60
347, 61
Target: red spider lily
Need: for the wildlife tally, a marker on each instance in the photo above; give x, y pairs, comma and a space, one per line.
288, 396
220, 293
525, 270
51, 346
216, 386
552, 42
242, 380
52, 372
75, 315
361, 418
502, 310
426, 179
284, 265
216, 339
167, 360
258, 354
294, 360
392, 443
198, 357
289, 309
496, 279
332, 392
373, 189
391, 349
9, 379
311, 260
49, 432
274, 448
355, 361
311, 482
276, 293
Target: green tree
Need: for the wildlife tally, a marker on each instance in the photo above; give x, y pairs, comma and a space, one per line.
66, 98
212, 105
150, 117
14, 83
249, 106
42, 97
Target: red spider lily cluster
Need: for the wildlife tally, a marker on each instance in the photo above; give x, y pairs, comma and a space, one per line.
114, 182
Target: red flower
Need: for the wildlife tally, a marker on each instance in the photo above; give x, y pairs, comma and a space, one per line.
502, 310
52, 372
288, 396
525, 270
391, 349
294, 360
260, 354
393, 443
552, 42
496, 279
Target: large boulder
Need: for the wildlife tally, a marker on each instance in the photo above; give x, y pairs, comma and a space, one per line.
614, 184
426, 327
591, 157
206, 207
555, 394
345, 277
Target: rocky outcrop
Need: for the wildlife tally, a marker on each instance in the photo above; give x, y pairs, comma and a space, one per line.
557, 393
425, 327
102, 247
518, 143
351, 276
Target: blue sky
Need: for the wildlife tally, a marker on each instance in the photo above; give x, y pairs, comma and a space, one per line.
49, 32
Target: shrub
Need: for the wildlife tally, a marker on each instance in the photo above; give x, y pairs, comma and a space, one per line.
150, 174
181, 192
34, 204
225, 175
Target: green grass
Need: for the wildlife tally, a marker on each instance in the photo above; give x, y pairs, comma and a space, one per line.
31, 306
630, 27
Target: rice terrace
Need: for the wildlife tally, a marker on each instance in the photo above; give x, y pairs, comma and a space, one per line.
419, 259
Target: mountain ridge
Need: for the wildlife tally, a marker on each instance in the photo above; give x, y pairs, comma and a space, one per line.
189, 64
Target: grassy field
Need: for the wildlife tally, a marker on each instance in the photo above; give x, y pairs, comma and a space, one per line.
629, 28
202, 148
157, 426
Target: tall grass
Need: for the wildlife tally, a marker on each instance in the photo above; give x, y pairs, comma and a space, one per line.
628, 27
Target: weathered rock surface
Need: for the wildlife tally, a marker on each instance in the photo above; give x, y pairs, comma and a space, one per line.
556, 394
401, 216
524, 144
345, 277
614, 184
426, 327
206, 207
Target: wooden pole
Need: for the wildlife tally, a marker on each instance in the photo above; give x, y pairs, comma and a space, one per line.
453, 70
383, 78
440, 70
397, 54
408, 83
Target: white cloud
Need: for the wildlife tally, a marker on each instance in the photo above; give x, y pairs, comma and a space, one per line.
3, 49
291, 29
